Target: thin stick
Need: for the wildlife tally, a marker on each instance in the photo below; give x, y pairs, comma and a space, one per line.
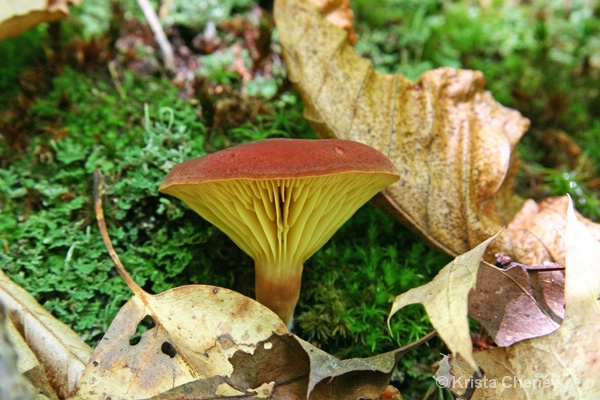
115, 77
135, 288
159, 34
418, 342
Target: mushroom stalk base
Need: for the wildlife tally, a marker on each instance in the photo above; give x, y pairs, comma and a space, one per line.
279, 293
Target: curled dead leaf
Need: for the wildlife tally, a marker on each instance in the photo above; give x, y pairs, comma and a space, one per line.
54, 346
452, 142
17, 16
14, 384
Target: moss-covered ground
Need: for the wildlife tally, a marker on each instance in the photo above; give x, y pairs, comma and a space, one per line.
99, 100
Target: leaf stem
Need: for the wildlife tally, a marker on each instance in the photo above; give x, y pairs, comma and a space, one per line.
135, 288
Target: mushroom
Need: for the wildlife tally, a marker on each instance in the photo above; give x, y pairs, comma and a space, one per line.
280, 200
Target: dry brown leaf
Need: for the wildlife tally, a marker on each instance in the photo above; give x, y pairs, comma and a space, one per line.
452, 142
278, 368
198, 328
564, 364
17, 16
14, 385
515, 304
445, 299
59, 350
29, 366
338, 13
287, 367
535, 232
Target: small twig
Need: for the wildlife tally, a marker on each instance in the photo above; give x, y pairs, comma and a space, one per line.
416, 343
115, 78
505, 262
135, 288
474, 383
551, 266
159, 34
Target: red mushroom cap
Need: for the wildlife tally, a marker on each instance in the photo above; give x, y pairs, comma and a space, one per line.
280, 158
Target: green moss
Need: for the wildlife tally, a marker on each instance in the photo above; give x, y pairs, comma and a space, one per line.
50, 243
29, 47
197, 14
349, 286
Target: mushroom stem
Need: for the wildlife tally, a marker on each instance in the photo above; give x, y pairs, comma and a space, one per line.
278, 291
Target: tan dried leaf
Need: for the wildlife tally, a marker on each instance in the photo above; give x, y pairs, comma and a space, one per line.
29, 367
14, 385
17, 16
58, 349
564, 364
535, 232
338, 13
198, 328
452, 142
445, 299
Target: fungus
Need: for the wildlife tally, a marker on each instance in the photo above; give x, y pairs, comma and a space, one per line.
280, 200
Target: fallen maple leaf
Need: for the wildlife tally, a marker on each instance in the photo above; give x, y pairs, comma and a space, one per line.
17, 16
563, 364
452, 142
445, 299
52, 344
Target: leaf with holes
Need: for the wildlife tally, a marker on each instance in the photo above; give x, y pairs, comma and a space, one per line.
287, 367
194, 331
